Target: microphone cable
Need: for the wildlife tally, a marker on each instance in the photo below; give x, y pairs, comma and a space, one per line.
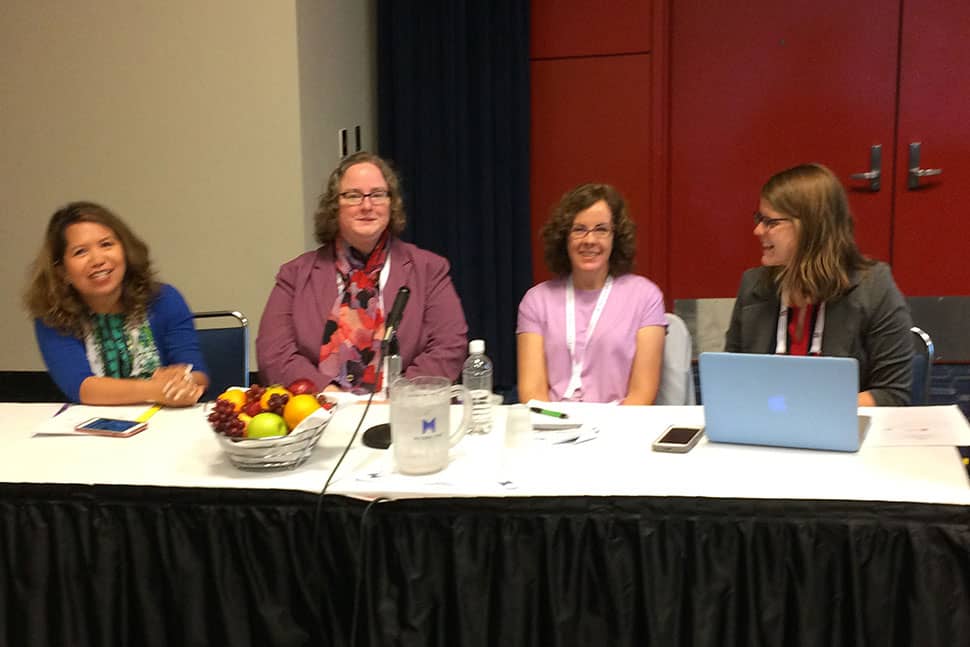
392, 322
350, 443
361, 563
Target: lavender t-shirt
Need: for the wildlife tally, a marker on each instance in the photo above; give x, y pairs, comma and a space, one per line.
634, 303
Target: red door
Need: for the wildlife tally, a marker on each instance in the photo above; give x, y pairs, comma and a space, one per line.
589, 27
590, 123
930, 246
757, 87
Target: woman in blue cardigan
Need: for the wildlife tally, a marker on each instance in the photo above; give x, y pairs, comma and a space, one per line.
108, 331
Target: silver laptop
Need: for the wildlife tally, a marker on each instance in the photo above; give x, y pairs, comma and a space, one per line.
782, 400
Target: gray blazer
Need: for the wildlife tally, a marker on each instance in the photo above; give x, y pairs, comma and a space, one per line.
870, 322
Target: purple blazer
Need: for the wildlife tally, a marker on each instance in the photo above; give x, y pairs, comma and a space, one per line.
432, 335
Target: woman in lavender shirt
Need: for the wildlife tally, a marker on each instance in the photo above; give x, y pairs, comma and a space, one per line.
595, 333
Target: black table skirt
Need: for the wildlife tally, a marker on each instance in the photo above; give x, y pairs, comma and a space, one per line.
105, 566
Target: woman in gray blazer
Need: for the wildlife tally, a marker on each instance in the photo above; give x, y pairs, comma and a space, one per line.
816, 294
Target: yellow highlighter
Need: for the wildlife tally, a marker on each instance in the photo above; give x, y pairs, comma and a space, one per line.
151, 411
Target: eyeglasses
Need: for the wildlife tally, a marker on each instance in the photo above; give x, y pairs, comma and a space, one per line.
599, 231
769, 223
354, 198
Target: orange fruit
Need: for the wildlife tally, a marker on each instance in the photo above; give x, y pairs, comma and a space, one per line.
276, 388
298, 408
245, 420
235, 396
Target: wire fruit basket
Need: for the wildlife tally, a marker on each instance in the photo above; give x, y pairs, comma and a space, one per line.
279, 452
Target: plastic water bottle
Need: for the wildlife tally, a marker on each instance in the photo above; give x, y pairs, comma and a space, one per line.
476, 375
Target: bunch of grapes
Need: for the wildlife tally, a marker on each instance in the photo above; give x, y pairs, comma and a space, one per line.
225, 420
255, 392
276, 403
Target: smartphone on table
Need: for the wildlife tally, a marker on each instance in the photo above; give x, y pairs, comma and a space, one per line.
678, 439
111, 427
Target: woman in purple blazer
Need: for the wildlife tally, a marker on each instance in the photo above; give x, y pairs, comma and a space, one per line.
325, 317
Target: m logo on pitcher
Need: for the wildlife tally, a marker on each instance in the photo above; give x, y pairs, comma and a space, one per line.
421, 419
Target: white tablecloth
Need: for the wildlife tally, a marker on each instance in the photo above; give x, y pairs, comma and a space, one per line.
178, 449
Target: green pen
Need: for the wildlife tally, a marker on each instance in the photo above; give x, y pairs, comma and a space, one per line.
547, 412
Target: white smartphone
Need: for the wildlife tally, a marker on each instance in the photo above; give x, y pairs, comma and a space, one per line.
678, 439
111, 427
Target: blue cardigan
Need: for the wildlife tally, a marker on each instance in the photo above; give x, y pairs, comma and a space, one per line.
172, 326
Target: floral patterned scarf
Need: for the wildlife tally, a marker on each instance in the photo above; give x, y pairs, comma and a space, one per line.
352, 335
118, 348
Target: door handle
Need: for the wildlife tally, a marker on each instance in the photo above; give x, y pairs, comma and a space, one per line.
874, 174
915, 172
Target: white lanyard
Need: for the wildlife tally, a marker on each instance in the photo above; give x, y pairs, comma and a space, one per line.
575, 380
781, 337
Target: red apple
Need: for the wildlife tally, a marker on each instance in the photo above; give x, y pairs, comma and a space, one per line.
301, 386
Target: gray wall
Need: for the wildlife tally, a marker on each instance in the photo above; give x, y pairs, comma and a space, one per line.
207, 125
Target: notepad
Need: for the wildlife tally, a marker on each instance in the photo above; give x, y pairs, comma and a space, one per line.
541, 421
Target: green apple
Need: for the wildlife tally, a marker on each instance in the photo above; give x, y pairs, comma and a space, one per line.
266, 425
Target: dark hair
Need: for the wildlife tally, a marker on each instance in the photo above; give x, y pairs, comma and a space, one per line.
326, 221
555, 233
826, 251
49, 297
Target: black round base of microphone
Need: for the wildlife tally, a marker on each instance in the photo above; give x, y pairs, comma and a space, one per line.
378, 436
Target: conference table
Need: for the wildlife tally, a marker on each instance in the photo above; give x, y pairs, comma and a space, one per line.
158, 539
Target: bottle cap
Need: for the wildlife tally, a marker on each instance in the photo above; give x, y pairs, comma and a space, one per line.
476, 346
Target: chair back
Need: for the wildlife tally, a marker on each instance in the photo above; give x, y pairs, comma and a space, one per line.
225, 347
676, 375
923, 353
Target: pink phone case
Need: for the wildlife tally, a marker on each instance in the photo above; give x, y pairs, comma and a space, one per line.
94, 431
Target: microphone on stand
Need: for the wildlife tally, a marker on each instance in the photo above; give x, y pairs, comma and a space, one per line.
394, 318
392, 363
379, 436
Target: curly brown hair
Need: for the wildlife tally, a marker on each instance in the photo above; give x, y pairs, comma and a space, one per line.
51, 299
325, 220
812, 196
555, 233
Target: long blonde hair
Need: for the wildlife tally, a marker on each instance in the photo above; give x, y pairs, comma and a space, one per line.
826, 252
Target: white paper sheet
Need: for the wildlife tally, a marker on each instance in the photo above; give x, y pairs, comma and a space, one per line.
934, 426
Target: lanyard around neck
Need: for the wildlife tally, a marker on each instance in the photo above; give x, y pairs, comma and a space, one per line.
781, 336
575, 378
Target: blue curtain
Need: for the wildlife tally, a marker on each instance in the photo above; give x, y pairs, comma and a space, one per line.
453, 116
